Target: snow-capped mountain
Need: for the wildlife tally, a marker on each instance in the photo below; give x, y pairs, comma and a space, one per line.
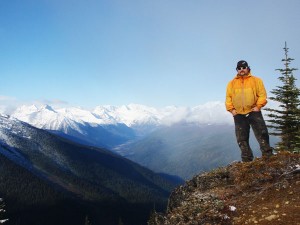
13, 132
109, 126
131, 115
65, 118
9, 126
76, 124
46, 117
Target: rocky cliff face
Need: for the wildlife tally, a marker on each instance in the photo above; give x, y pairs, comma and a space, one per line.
258, 192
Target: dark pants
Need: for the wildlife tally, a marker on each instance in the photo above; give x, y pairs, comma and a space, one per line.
242, 131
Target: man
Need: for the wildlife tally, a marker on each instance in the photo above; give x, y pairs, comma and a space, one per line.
245, 96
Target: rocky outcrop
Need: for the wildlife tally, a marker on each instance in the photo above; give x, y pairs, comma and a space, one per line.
265, 191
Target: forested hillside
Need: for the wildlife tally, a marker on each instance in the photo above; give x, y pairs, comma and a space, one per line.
42, 174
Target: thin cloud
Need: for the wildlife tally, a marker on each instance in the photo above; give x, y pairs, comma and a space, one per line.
9, 103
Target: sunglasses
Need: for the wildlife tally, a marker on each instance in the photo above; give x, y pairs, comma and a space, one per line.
242, 68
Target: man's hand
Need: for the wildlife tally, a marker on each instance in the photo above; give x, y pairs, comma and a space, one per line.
255, 109
233, 112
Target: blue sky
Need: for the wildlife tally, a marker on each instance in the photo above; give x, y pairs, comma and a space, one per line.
152, 52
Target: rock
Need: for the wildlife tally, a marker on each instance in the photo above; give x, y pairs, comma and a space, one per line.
271, 217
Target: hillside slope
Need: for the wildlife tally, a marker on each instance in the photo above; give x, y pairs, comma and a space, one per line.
260, 192
90, 174
31, 200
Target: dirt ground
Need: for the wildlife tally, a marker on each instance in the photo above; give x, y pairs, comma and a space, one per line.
273, 204
265, 191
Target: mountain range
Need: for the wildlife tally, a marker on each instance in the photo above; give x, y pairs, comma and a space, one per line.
35, 162
181, 141
110, 126
132, 115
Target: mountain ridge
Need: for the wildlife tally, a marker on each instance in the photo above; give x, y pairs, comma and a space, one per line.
148, 135
131, 115
90, 173
111, 126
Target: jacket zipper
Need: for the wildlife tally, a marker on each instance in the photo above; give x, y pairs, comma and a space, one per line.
243, 95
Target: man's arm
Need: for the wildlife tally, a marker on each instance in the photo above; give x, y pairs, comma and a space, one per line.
261, 94
228, 103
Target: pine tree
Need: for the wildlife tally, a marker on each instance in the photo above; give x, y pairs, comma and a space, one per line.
297, 149
87, 221
284, 120
120, 222
2, 211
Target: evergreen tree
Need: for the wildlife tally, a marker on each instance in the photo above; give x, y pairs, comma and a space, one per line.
120, 222
87, 221
297, 149
2, 211
284, 120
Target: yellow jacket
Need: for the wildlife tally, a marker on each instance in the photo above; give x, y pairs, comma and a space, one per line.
245, 92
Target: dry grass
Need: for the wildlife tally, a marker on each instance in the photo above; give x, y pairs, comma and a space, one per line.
265, 191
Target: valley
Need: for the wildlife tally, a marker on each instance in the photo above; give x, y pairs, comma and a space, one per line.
122, 161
